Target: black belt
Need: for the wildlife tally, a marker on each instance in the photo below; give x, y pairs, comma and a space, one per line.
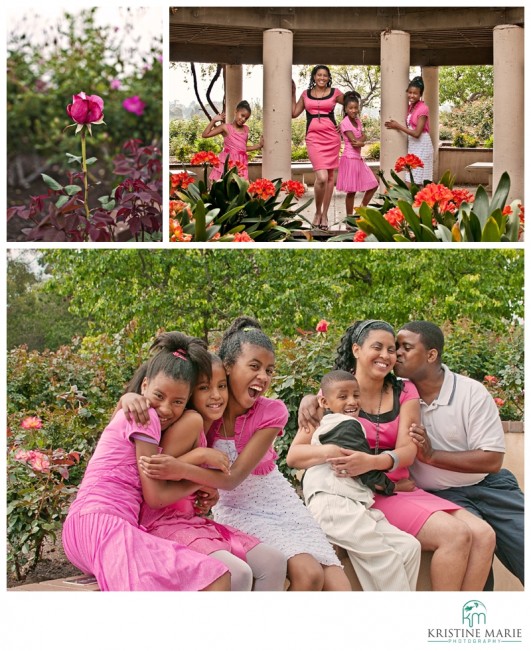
312, 116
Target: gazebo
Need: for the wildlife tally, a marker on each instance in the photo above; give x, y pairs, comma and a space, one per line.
394, 38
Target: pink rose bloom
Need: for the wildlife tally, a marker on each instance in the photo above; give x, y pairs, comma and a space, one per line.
115, 84
499, 401
22, 455
134, 105
31, 422
40, 462
86, 109
322, 326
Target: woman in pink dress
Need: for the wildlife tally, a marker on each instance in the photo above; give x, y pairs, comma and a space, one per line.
101, 534
322, 139
417, 129
354, 175
462, 543
235, 136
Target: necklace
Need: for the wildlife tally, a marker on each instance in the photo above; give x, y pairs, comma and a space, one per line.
231, 452
377, 436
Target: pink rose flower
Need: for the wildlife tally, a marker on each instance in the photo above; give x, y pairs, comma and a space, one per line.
499, 401
40, 462
86, 109
22, 455
322, 326
134, 105
31, 422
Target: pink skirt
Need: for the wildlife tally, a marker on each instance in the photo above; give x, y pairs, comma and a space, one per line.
354, 175
235, 156
123, 557
408, 511
323, 143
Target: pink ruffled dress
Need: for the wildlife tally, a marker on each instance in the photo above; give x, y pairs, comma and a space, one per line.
235, 148
101, 534
353, 174
180, 523
265, 504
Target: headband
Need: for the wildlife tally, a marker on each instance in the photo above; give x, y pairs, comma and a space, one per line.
363, 326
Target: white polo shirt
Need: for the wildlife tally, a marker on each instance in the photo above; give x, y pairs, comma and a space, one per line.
464, 416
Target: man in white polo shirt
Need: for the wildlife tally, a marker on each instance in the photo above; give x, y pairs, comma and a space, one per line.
461, 443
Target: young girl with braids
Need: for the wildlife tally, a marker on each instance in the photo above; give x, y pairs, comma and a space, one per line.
252, 564
462, 544
353, 174
101, 534
256, 497
417, 129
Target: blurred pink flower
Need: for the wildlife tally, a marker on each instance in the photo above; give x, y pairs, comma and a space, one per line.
115, 84
499, 401
490, 379
322, 326
31, 422
134, 105
40, 462
22, 455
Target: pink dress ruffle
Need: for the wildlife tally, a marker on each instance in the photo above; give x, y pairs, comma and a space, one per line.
353, 174
235, 148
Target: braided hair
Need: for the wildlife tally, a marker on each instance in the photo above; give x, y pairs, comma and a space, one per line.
314, 71
243, 330
176, 355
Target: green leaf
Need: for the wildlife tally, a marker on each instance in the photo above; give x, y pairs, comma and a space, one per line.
481, 205
502, 192
51, 183
491, 232
61, 201
91, 161
72, 189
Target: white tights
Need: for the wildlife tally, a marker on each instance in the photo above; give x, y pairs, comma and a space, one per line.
265, 565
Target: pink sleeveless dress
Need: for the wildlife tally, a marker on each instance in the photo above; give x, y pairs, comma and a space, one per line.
322, 140
179, 522
235, 148
101, 534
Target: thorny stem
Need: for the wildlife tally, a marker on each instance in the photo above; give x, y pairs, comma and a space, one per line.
85, 172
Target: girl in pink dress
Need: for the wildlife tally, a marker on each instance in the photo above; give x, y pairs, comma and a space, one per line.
353, 174
252, 564
235, 136
417, 130
322, 139
256, 497
101, 534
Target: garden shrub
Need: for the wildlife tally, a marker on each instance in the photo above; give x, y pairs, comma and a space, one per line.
464, 140
373, 151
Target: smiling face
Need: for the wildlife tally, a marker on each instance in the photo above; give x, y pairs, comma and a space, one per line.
250, 375
210, 397
342, 397
377, 354
413, 94
321, 78
241, 116
412, 356
352, 109
167, 396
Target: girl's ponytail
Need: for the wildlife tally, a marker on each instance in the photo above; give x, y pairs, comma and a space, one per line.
243, 330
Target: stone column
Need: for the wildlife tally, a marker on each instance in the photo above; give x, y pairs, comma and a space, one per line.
233, 88
508, 155
394, 56
430, 74
278, 58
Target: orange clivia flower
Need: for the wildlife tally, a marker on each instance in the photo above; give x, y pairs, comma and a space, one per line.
242, 237
181, 181
411, 161
394, 217
204, 158
460, 195
294, 187
240, 167
177, 234
521, 213
262, 188
433, 193
360, 236
177, 207
507, 210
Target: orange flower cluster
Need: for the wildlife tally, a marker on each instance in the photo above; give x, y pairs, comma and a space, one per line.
240, 167
242, 237
394, 217
433, 193
181, 181
262, 188
293, 187
177, 207
176, 232
204, 158
411, 161
360, 236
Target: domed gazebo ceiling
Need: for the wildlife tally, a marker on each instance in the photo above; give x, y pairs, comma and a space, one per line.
338, 35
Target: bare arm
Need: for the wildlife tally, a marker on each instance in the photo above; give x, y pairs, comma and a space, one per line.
302, 454
297, 106
310, 413
354, 141
212, 130
393, 124
459, 461
257, 147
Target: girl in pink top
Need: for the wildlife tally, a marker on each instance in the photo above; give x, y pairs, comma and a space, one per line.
256, 497
353, 174
252, 564
417, 130
235, 136
101, 534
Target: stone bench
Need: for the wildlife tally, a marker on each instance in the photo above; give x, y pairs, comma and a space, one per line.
482, 166
79, 583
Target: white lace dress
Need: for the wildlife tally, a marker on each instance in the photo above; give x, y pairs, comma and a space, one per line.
268, 507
